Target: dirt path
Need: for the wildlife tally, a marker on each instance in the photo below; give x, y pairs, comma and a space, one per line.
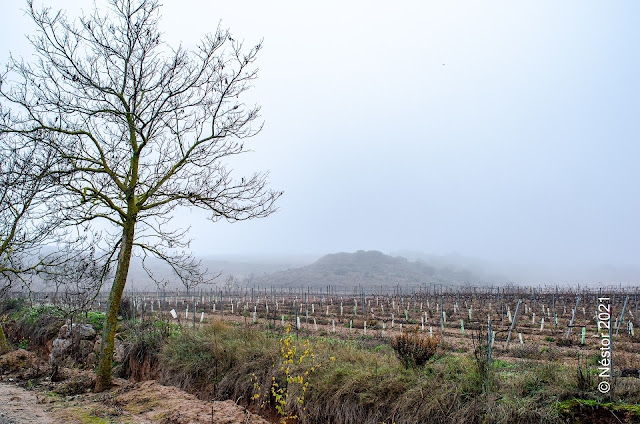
133, 403
19, 406
70, 400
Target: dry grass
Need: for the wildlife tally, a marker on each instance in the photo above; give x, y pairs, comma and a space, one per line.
414, 349
217, 360
367, 381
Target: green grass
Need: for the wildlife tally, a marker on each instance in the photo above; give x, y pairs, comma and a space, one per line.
361, 379
588, 410
366, 383
96, 319
215, 358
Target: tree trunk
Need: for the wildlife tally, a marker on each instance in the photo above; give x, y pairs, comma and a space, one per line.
4, 346
103, 372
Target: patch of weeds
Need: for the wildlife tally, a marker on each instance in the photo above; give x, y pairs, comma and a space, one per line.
96, 319
23, 344
498, 363
12, 305
414, 349
589, 411
384, 349
563, 341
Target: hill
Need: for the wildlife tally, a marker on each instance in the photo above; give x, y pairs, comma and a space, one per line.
369, 269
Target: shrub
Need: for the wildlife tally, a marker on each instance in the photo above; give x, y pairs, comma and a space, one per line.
126, 310
289, 391
563, 341
12, 304
584, 379
38, 325
482, 375
414, 349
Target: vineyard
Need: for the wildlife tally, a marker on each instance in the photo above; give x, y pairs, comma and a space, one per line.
324, 355
517, 316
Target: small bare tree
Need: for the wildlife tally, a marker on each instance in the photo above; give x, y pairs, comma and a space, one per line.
231, 282
26, 221
187, 269
77, 281
138, 129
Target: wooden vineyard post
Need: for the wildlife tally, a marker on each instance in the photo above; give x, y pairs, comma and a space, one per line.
306, 308
555, 317
513, 324
534, 298
442, 314
221, 306
501, 307
489, 340
635, 297
611, 342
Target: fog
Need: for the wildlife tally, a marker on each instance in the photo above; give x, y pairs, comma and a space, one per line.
501, 131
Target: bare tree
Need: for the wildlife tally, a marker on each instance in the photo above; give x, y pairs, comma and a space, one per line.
249, 279
139, 129
231, 282
187, 269
76, 282
27, 223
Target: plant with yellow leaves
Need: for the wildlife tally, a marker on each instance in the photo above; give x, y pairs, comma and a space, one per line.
298, 362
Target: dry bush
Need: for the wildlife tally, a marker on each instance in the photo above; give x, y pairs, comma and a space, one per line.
414, 349
526, 351
11, 305
563, 341
38, 325
126, 310
17, 360
483, 373
584, 379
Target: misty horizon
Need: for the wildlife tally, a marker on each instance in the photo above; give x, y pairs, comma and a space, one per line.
500, 131
484, 272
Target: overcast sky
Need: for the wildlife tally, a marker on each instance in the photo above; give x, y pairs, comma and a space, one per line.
502, 130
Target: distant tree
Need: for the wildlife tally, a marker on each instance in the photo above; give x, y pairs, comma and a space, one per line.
231, 282
185, 267
138, 128
250, 279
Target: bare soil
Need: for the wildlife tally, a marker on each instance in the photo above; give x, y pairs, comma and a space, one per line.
20, 406
71, 401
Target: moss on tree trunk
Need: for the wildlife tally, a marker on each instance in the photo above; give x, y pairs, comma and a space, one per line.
103, 372
4, 345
